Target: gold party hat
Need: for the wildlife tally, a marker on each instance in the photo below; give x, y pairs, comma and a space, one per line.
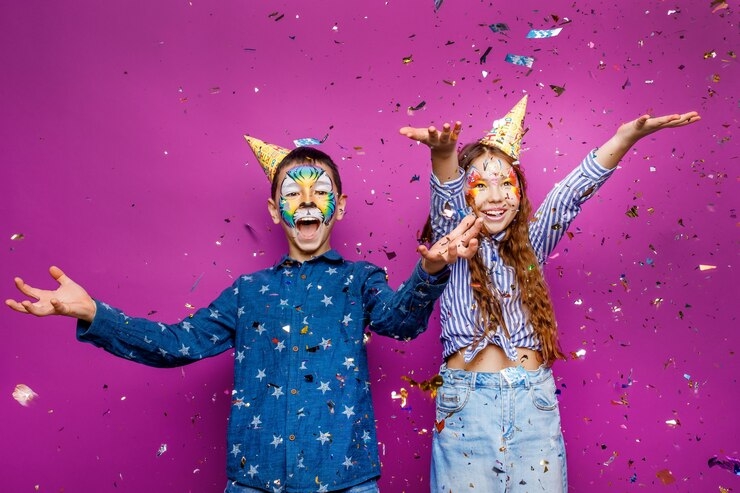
269, 155
507, 132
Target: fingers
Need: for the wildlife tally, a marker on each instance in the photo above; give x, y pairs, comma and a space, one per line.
16, 306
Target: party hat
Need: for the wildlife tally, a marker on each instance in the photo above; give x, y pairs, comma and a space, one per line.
508, 131
269, 155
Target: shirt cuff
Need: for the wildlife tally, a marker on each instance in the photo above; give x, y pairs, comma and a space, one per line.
438, 278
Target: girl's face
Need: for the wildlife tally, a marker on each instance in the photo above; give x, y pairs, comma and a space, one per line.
492, 189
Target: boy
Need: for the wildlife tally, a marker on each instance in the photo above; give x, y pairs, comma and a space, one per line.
301, 418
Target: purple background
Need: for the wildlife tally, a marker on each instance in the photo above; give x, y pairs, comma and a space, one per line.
124, 164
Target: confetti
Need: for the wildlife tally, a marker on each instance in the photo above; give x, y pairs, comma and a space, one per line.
162, 449
665, 476
437, 4
729, 463
17, 237
23, 394
498, 27
545, 33
557, 89
521, 60
704, 267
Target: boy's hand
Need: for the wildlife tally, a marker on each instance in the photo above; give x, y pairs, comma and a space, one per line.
442, 143
461, 242
68, 299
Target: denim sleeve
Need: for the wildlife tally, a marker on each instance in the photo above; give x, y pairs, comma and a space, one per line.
404, 313
563, 203
207, 332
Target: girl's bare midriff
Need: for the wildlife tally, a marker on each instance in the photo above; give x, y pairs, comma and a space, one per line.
493, 359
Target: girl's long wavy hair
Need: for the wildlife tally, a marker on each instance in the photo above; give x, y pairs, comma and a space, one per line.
516, 251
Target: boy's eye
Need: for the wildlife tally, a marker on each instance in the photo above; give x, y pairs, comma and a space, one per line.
321, 192
291, 194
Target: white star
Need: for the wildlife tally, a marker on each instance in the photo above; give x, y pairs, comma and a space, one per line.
349, 411
325, 343
239, 356
147, 340
247, 278
366, 436
323, 488
347, 319
277, 392
349, 280
162, 352
276, 440
187, 326
236, 449
252, 471
105, 305
347, 462
280, 346
239, 402
260, 329
323, 437
256, 422
214, 314
324, 387
349, 362
327, 300
240, 311
185, 350
214, 338
236, 290
261, 374
331, 271
300, 464
162, 327
264, 289
309, 286
283, 302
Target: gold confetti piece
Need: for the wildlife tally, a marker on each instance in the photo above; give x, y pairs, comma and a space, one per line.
408, 59
704, 267
665, 476
402, 396
23, 394
17, 236
632, 211
710, 54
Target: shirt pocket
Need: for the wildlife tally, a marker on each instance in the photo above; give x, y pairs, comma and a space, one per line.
451, 398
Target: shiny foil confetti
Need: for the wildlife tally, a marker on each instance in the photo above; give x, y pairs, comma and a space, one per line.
23, 394
521, 60
544, 33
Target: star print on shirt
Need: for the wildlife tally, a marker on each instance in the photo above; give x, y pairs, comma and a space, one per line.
239, 356
261, 374
331, 271
349, 411
325, 343
185, 350
280, 345
256, 422
366, 436
264, 289
348, 462
236, 449
240, 311
214, 338
276, 440
348, 362
187, 326
252, 471
327, 300
162, 327
324, 387
324, 437
277, 392
347, 319
215, 314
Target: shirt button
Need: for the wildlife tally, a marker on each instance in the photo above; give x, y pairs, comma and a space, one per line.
293, 391
303, 276
291, 438
295, 349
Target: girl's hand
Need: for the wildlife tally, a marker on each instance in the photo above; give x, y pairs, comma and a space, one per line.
461, 242
646, 125
442, 143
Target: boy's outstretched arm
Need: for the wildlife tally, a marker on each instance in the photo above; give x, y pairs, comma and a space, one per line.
627, 135
443, 147
68, 299
461, 242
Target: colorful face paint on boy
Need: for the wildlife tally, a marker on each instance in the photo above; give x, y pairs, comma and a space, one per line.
307, 191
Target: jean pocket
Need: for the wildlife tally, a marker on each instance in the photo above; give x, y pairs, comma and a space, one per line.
451, 399
543, 396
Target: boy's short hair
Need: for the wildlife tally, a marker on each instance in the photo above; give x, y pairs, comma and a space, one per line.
308, 155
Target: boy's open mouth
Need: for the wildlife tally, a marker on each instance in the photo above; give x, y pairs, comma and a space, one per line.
307, 226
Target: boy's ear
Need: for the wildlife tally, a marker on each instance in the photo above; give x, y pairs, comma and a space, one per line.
272, 208
341, 206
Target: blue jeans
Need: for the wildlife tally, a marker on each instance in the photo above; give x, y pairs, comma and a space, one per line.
366, 487
498, 432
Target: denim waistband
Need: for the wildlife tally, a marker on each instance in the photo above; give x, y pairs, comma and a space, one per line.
512, 377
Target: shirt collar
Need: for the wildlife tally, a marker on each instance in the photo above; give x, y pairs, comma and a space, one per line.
331, 256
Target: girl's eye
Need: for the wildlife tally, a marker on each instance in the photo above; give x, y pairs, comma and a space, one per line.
479, 185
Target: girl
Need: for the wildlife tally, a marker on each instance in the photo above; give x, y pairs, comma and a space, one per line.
498, 423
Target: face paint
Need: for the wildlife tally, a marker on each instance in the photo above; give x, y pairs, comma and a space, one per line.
492, 189
307, 192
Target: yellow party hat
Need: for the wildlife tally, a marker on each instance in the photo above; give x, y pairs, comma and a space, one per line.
507, 132
269, 155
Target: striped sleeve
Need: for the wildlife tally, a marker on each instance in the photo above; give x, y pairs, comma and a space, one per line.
563, 203
448, 206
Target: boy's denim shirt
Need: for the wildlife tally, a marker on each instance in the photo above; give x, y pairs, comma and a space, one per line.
301, 412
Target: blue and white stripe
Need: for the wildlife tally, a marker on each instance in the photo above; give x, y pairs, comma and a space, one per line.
458, 311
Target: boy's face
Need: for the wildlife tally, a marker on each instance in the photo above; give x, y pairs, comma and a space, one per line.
306, 204
492, 189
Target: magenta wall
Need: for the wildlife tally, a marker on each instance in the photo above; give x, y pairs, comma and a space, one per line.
124, 164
